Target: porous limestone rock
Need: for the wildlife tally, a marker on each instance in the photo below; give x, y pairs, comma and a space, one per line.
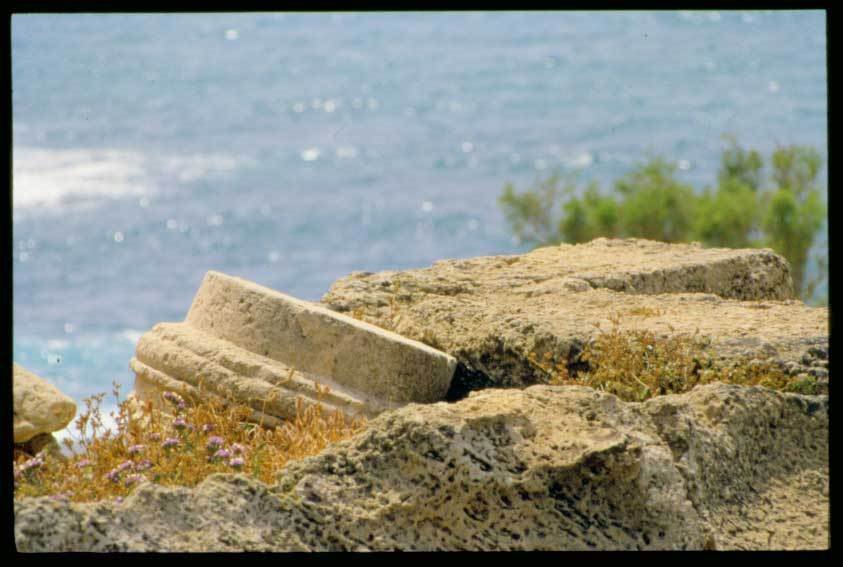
251, 344
493, 312
544, 468
39, 407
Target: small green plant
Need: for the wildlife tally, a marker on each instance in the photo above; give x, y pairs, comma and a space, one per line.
180, 447
651, 202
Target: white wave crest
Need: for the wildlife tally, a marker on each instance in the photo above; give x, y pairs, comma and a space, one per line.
47, 177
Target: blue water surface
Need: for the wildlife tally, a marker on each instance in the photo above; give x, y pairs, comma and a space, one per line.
292, 149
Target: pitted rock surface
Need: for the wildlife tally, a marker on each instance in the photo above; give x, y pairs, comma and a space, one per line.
492, 312
547, 467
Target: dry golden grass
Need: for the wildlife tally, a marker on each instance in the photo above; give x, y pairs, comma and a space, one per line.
178, 449
645, 312
390, 322
637, 365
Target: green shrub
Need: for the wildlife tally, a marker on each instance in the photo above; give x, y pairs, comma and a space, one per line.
655, 204
651, 202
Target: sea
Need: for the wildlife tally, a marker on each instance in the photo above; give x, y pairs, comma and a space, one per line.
293, 148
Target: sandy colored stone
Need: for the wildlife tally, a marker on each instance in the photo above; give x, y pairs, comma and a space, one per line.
249, 343
492, 312
544, 468
39, 407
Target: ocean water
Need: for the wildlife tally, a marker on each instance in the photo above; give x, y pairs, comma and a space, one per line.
292, 149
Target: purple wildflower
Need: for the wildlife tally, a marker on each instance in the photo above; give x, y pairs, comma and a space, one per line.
143, 465
236, 462
179, 423
170, 442
215, 442
154, 436
135, 449
113, 475
222, 454
207, 428
124, 466
238, 449
84, 463
173, 398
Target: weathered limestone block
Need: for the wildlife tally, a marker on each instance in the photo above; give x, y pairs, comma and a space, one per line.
544, 468
492, 312
39, 407
248, 343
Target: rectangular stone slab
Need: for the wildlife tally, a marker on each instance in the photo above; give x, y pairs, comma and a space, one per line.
494, 313
194, 364
247, 342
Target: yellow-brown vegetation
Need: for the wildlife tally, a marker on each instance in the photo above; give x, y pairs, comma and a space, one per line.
637, 365
179, 447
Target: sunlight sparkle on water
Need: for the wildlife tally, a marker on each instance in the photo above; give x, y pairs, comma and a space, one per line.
310, 154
